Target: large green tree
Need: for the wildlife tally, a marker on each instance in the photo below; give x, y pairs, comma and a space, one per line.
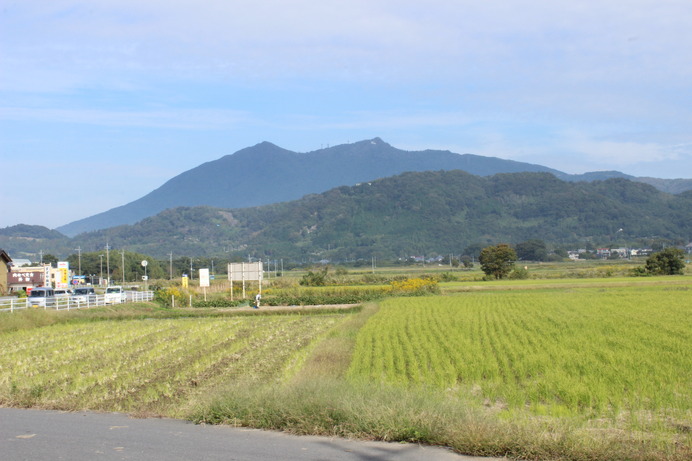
532, 250
670, 261
498, 260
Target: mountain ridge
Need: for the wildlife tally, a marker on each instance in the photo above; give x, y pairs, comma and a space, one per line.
266, 173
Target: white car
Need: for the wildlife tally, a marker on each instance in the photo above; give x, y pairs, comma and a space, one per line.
114, 295
62, 293
42, 297
84, 295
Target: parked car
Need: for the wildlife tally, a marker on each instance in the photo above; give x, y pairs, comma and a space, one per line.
42, 297
62, 293
114, 295
84, 295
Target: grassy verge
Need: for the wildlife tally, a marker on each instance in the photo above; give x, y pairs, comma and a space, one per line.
333, 407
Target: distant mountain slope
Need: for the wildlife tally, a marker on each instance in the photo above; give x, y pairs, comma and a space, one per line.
415, 213
266, 173
672, 186
27, 231
25, 241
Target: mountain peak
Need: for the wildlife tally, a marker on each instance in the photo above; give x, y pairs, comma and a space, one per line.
374, 142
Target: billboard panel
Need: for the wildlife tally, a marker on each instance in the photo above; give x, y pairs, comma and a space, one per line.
245, 271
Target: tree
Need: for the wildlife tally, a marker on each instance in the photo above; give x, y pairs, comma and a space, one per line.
670, 261
498, 260
467, 261
50, 259
532, 250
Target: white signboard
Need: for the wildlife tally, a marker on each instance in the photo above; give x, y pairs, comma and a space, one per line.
46, 275
245, 271
204, 277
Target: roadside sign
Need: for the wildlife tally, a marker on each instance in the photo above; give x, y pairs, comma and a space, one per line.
204, 277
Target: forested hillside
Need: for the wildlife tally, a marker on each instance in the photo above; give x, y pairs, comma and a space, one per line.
416, 213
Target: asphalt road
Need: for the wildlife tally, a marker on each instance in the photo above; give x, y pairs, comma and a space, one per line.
38, 435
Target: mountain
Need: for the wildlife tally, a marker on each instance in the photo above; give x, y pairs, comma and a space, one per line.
265, 174
414, 213
672, 186
31, 232
25, 241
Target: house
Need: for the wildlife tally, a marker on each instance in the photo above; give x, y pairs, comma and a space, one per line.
5, 262
621, 252
688, 248
603, 253
23, 278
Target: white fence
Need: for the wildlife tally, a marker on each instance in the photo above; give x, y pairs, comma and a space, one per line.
11, 304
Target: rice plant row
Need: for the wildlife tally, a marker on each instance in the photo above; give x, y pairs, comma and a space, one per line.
146, 364
588, 352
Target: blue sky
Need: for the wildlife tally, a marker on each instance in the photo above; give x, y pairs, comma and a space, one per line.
103, 101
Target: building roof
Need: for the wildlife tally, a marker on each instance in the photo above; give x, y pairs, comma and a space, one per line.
21, 262
5, 257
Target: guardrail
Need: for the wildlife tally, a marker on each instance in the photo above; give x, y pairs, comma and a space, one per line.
11, 304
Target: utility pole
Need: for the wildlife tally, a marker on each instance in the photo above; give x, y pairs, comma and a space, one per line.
108, 265
79, 258
122, 253
170, 266
101, 278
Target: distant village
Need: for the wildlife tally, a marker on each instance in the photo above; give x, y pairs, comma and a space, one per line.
20, 275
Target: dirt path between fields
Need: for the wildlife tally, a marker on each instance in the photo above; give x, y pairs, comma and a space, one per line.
296, 308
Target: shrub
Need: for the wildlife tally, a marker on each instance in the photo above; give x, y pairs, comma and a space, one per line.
639, 272
218, 302
319, 296
165, 296
670, 261
519, 273
448, 277
415, 287
315, 279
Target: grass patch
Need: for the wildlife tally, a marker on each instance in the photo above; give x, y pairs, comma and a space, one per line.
370, 411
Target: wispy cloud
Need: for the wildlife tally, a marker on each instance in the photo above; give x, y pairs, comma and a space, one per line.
188, 119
